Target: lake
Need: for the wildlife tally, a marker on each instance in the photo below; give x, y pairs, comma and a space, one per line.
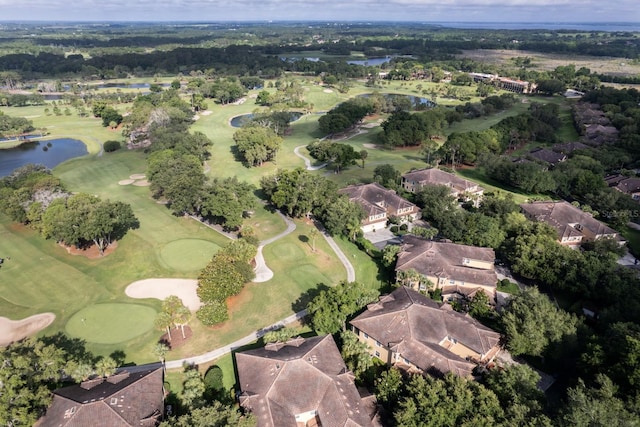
57, 151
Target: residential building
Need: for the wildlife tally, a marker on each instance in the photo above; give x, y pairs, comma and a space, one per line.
547, 156
457, 270
379, 204
460, 188
416, 334
131, 397
625, 184
300, 383
574, 226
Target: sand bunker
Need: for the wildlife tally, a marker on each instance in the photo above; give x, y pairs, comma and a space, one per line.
137, 176
370, 146
142, 183
185, 289
206, 113
327, 91
126, 181
15, 330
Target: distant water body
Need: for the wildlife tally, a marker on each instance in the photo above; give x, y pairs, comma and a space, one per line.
555, 26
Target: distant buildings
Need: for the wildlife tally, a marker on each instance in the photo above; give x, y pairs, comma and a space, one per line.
460, 188
301, 383
457, 270
625, 184
408, 330
517, 86
132, 397
573, 225
379, 204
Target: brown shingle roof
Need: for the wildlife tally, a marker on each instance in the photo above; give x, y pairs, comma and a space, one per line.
434, 176
278, 384
547, 156
625, 184
414, 326
133, 398
564, 217
375, 198
445, 260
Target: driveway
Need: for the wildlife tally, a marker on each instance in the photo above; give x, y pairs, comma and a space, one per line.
382, 238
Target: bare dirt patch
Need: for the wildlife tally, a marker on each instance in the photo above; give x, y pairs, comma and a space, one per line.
92, 252
15, 330
126, 181
177, 340
185, 289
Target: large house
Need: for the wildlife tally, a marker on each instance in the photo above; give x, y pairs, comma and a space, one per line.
625, 184
131, 397
574, 226
414, 333
301, 383
458, 270
460, 188
379, 204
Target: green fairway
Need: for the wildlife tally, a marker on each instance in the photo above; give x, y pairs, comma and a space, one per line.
111, 323
188, 254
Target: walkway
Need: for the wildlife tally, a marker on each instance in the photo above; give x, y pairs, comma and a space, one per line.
215, 354
307, 162
264, 273
351, 273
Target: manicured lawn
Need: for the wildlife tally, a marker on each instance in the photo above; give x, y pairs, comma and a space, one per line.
490, 185
111, 323
188, 254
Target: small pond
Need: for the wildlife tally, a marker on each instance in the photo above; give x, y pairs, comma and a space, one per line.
371, 61
415, 102
243, 119
48, 153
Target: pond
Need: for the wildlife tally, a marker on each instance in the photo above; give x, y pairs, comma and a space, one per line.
243, 119
371, 61
48, 153
415, 102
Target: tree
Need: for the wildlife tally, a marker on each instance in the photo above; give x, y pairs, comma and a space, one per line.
331, 308
390, 255
355, 353
313, 235
363, 156
532, 323
160, 351
215, 414
551, 86
213, 312
257, 144
173, 314
106, 366
389, 387
193, 388
598, 406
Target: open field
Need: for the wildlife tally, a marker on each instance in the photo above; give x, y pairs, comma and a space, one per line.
549, 61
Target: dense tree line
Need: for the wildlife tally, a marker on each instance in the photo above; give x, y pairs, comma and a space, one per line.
14, 126
32, 196
299, 193
345, 116
404, 129
340, 156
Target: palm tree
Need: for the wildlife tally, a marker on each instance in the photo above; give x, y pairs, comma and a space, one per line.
313, 234
106, 367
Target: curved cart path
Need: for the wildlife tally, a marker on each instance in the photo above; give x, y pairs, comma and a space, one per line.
264, 273
307, 162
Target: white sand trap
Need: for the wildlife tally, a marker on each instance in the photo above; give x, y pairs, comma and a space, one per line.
370, 146
126, 182
138, 176
206, 113
327, 91
185, 289
142, 183
196, 117
15, 330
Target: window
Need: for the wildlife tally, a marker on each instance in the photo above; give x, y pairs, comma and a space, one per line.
378, 344
366, 336
377, 353
452, 282
114, 401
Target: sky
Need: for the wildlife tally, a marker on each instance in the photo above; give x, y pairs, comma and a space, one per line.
323, 10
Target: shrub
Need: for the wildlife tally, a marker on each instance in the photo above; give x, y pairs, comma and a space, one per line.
212, 313
111, 146
404, 227
393, 229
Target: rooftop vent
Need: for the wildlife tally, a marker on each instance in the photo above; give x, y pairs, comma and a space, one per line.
115, 379
89, 384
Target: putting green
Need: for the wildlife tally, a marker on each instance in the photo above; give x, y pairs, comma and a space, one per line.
111, 323
188, 254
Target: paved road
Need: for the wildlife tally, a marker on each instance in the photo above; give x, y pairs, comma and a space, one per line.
215, 354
